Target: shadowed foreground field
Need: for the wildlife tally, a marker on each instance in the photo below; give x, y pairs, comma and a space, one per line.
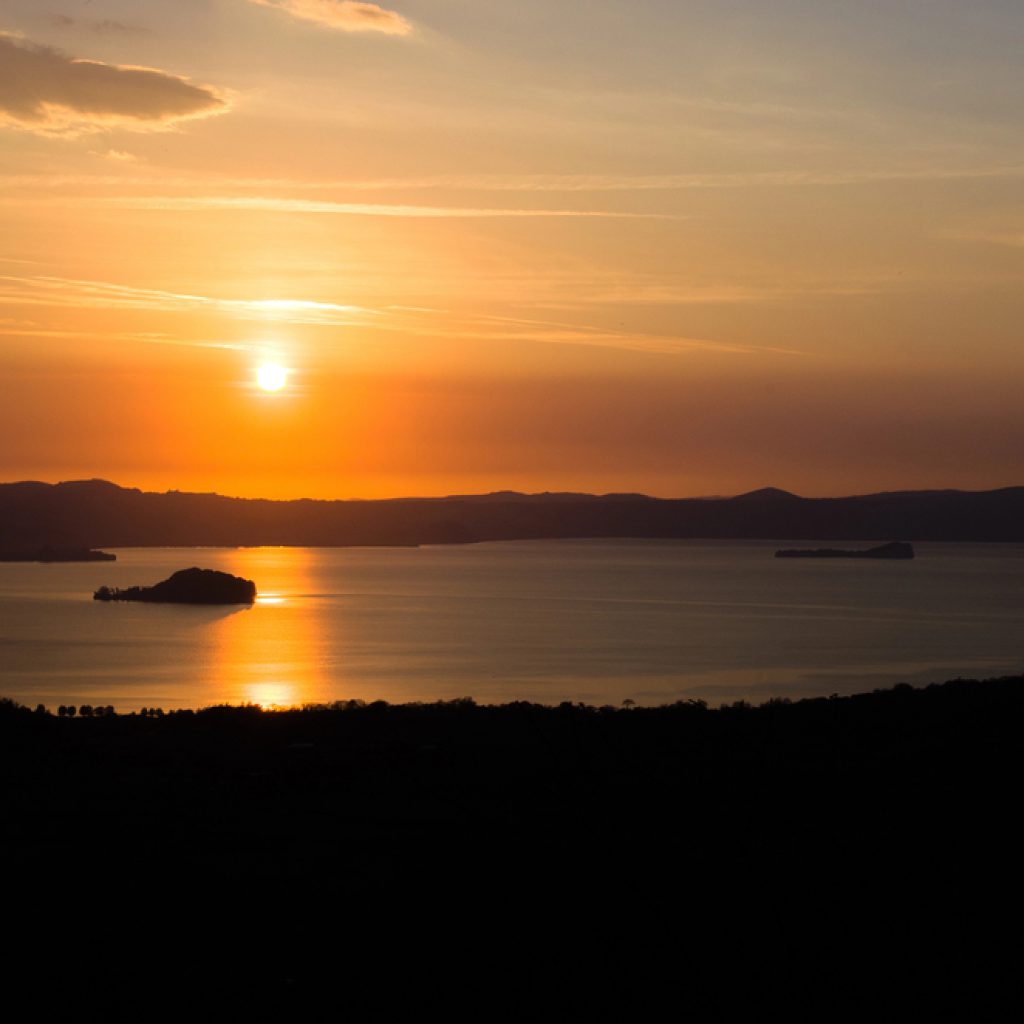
772, 829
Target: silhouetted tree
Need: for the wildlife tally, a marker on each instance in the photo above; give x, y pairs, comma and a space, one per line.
40, 709
85, 711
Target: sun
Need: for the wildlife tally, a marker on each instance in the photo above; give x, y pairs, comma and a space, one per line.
271, 377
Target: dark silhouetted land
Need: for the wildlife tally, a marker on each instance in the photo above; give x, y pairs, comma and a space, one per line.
187, 586
815, 781
617, 852
50, 554
347, 790
94, 513
895, 549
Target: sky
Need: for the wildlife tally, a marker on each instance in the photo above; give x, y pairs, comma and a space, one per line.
684, 247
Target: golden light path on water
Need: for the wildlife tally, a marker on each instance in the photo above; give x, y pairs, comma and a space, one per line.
271, 654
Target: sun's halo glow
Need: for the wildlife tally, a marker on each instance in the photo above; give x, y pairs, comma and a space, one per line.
271, 377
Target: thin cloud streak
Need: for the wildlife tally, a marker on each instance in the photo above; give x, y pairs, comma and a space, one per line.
641, 294
98, 25
1013, 238
76, 294
497, 328
653, 182
144, 339
595, 338
537, 183
56, 292
69, 292
269, 204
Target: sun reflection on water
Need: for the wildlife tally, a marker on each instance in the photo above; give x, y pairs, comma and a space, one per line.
272, 695
271, 654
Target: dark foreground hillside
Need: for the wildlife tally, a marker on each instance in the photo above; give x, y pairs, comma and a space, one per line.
668, 838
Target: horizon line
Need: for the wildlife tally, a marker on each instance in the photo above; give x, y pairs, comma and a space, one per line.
765, 491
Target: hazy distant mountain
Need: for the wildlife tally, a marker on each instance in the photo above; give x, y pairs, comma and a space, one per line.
95, 513
768, 494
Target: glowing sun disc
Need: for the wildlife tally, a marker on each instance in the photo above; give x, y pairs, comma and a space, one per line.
271, 377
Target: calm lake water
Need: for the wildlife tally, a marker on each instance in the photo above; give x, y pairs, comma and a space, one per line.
595, 621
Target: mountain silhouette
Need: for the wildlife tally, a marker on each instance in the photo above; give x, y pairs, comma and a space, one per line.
99, 514
768, 494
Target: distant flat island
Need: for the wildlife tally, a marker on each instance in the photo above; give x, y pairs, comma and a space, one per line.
895, 549
188, 586
52, 554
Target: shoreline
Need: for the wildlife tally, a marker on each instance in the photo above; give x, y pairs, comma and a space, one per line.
11, 707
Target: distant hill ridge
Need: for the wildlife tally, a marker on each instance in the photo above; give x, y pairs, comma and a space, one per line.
97, 513
768, 494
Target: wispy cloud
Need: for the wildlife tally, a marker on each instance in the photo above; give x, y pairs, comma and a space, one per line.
271, 204
685, 182
14, 329
344, 15
554, 183
47, 92
452, 325
1012, 237
104, 26
553, 332
69, 292
635, 291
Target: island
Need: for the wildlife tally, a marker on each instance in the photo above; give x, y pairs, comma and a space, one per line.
46, 553
894, 549
188, 586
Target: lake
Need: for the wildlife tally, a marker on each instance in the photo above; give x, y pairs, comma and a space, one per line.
594, 621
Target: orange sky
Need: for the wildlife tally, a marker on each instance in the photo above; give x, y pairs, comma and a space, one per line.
674, 247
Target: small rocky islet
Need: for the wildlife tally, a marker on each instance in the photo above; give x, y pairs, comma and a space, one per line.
187, 586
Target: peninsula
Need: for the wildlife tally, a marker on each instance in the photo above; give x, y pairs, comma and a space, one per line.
52, 554
895, 549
